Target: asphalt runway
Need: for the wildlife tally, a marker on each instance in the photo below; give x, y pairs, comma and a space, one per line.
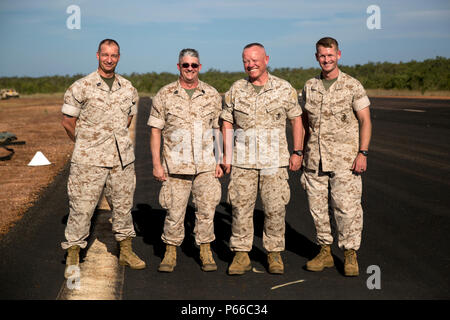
405, 251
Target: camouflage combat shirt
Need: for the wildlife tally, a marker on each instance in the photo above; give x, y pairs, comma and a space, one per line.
187, 127
333, 126
260, 122
101, 133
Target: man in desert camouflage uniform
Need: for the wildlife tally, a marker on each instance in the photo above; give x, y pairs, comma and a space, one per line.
97, 111
186, 113
338, 120
258, 107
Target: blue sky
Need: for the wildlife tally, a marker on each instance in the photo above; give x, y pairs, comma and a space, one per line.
35, 40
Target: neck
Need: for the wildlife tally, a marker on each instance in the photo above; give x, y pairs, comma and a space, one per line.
330, 75
260, 81
189, 85
105, 74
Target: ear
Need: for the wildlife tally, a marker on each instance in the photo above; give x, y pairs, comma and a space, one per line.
317, 56
199, 67
178, 66
338, 54
266, 59
98, 56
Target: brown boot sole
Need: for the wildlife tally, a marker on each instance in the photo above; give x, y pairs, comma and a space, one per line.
139, 267
276, 271
317, 269
209, 267
351, 273
166, 268
239, 272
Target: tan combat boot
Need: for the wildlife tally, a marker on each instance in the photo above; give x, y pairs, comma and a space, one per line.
275, 263
323, 260
351, 268
170, 259
72, 259
208, 263
241, 263
128, 257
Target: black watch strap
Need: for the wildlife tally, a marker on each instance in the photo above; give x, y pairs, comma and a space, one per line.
364, 152
298, 152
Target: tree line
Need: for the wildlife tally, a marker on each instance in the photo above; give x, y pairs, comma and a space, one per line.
427, 75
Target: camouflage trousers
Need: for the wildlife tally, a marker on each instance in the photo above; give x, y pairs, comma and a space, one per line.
85, 186
242, 193
345, 189
174, 196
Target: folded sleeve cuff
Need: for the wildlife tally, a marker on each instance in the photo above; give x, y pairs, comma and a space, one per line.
225, 115
155, 122
294, 113
70, 110
133, 110
361, 103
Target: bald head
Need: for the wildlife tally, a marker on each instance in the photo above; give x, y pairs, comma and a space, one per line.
255, 62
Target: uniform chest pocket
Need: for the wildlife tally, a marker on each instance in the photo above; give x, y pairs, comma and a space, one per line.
314, 97
176, 116
276, 113
243, 115
95, 111
313, 114
208, 116
125, 105
343, 114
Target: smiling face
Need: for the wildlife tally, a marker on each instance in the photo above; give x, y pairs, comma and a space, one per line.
108, 57
255, 64
189, 68
328, 59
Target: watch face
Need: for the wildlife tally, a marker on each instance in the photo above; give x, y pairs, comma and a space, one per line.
366, 153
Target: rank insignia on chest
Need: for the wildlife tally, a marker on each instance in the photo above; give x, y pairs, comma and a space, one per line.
344, 117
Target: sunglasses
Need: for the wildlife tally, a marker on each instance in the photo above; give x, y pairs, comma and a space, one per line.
193, 65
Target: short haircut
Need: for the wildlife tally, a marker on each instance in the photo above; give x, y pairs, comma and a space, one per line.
254, 44
188, 52
108, 42
327, 42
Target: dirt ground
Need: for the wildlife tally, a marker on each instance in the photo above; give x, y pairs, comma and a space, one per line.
37, 121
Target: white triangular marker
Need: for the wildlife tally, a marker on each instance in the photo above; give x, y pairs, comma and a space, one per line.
39, 160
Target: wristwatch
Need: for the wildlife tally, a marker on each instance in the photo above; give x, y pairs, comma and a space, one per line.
364, 152
298, 152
